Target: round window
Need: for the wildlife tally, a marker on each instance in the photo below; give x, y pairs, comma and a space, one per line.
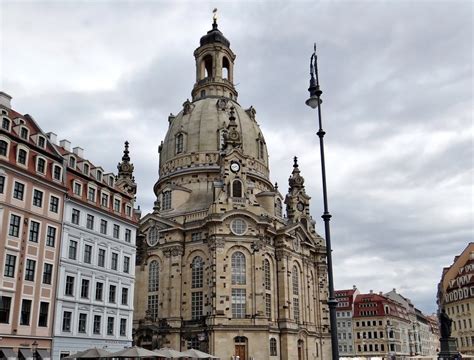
239, 227
153, 236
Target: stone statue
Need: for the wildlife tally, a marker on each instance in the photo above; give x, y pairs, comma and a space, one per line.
445, 324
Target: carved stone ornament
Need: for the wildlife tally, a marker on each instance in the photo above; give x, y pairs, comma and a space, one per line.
251, 112
280, 254
176, 250
258, 244
187, 107
222, 104
215, 243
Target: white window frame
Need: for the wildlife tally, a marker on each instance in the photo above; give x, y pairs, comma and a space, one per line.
27, 132
92, 186
121, 201
38, 141
22, 147
74, 182
53, 166
9, 145
38, 157
42, 198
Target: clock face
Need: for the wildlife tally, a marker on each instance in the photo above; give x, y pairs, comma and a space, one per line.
300, 206
234, 167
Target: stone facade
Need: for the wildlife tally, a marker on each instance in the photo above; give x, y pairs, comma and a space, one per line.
456, 296
219, 265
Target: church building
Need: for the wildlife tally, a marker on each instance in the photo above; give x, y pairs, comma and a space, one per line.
225, 262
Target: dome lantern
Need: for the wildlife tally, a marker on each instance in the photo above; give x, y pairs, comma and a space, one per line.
214, 66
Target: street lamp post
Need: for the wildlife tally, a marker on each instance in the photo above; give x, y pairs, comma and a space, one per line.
314, 102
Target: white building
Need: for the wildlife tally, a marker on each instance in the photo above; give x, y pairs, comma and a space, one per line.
94, 306
344, 313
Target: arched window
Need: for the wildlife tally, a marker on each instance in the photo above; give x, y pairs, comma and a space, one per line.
238, 268
296, 299
278, 207
197, 273
273, 347
6, 124
22, 156
179, 143
261, 148
207, 62
225, 68
154, 276
236, 188
3, 148
266, 274
72, 162
166, 204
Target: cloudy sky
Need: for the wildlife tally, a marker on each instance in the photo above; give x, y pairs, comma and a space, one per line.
397, 81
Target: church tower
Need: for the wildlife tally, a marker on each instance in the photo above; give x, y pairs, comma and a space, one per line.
220, 267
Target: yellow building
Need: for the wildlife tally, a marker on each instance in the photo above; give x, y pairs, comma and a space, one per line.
219, 265
456, 296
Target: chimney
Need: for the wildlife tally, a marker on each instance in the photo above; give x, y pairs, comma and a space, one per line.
394, 290
53, 138
66, 144
78, 151
354, 287
5, 100
371, 291
381, 293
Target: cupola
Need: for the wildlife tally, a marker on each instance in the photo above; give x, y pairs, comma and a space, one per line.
214, 66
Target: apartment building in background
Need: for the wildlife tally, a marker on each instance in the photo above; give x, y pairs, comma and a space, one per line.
344, 313
32, 194
97, 261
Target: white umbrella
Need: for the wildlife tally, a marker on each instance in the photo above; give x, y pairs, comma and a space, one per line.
169, 353
193, 353
133, 352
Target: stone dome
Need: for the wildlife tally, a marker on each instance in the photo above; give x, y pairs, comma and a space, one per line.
195, 137
214, 36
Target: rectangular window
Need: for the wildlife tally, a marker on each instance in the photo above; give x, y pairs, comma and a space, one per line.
268, 306
30, 270
40, 165
104, 200
76, 214
18, 190
47, 273
5, 304
72, 249
126, 264
22, 156
2, 184
54, 204
123, 327
103, 227
82, 323
43, 314
34, 231
57, 172
25, 312
112, 290
97, 321
110, 325
90, 222
10, 262
117, 205
153, 306
101, 258
99, 289
196, 236
14, 229
24, 133
69, 290
124, 296
296, 309
128, 210
91, 194
85, 288
114, 262
51, 236
77, 189
67, 316
87, 254
37, 198
116, 232
238, 303
196, 304
128, 235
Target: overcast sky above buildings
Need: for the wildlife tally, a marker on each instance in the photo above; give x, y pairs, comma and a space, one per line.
397, 81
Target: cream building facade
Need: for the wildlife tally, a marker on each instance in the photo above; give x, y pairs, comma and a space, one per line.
220, 267
456, 296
